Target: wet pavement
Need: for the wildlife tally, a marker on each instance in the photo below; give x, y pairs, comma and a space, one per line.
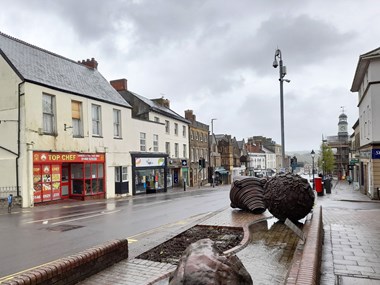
351, 251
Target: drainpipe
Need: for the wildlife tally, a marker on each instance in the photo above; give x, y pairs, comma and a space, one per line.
18, 137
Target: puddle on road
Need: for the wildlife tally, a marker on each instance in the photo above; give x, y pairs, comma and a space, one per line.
268, 255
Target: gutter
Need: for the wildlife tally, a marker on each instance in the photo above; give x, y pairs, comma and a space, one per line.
18, 137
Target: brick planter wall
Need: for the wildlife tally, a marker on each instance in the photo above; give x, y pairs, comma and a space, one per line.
306, 264
75, 268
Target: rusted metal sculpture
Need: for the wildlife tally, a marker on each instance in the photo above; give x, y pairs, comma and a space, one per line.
202, 263
247, 193
288, 196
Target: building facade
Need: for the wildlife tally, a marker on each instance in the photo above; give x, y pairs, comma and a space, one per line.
172, 141
67, 128
366, 83
198, 150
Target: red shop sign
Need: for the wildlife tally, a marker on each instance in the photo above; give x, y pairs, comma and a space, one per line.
59, 157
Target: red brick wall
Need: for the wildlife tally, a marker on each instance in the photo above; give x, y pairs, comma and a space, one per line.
75, 268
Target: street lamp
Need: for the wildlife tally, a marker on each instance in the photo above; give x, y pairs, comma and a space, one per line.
282, 72
211, 156
312, 159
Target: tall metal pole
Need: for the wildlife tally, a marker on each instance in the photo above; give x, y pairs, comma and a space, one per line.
282, 112
212, 157
282, 73
313, 172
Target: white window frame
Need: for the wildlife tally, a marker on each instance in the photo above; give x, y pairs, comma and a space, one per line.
155, 142
184, 151
121, 173
167, 148
48, 114
96, 111
142, 141
124, 173
176, 129
176, 150
116, 123
77, 122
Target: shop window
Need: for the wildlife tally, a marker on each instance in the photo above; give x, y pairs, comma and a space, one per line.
77, 187
87, 178
100, 170
88, 170
48, 109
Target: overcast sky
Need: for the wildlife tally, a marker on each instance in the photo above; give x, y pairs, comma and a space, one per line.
215, 57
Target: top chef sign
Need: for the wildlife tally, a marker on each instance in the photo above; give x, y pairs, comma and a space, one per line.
41, 157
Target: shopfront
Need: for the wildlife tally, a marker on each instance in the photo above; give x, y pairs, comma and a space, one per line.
149, 173
72, 175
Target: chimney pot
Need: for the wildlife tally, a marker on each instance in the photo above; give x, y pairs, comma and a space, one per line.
90, 63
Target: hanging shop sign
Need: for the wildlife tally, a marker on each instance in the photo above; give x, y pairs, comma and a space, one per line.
376, 153
61, 157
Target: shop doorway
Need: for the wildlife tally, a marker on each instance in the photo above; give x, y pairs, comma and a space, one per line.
65, 182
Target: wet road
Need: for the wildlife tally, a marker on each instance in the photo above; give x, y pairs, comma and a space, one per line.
31, 237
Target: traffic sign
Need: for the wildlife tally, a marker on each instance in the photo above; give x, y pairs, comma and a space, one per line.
184, 162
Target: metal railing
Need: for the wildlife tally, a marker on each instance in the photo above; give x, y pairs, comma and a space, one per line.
4, 193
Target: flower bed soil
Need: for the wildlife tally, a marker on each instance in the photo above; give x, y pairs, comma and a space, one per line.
171, 251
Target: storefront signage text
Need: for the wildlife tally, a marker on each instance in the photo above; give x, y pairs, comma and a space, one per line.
149, 161
66, 157
376, 153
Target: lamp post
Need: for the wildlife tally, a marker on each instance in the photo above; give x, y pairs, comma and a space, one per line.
282, 72
212, 157
312, 159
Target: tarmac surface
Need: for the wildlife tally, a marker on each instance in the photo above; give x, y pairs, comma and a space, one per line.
350, 254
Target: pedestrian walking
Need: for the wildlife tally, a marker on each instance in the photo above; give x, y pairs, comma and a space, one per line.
10, 200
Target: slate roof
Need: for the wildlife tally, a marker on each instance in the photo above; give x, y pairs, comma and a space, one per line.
159, 108
42, 67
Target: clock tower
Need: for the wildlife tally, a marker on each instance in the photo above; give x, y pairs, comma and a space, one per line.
342, 125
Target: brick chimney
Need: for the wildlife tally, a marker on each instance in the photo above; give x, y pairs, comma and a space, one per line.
91, 63
162, 101
189, 115
119, 84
